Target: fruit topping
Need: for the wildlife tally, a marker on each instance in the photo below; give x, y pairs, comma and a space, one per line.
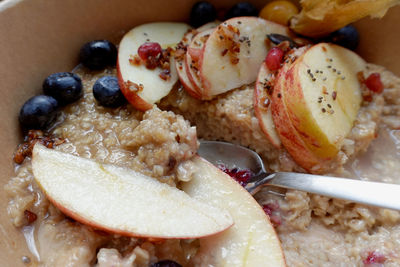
149, 50
201, 13
276, 38
99, 54
374, 257
279, 11
34, 136
271, 209
107, 92
347, 37
242, 176
374, 83
274, 58
242, 9
30, 216
65, 87
39, 112
166, 263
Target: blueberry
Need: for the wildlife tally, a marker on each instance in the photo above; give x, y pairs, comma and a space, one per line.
97, 55
39, 112
65, 87
107, 92
242, 9
347, 37
201, 13
166, 263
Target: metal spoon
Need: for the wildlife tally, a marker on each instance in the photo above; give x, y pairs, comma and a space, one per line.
371, 193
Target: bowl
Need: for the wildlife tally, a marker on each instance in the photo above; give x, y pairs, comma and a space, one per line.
40, 37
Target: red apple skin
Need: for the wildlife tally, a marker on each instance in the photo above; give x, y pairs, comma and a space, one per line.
194, 79
259, 108
184, 79
97, 226
135, 100
288, 134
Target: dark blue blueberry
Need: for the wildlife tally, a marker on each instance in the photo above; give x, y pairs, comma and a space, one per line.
242, 9
107, 92
99, 54
347, 37
39, 112
65, 87
166, 263
201, 13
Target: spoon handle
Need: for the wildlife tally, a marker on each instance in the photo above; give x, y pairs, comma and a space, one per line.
371, 193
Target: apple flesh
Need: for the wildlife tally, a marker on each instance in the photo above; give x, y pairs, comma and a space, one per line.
262, 104
154, 88
122, 201
251, 241
234, 53
323, 96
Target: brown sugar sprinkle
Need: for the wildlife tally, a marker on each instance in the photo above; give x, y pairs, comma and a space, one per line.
30, 216
360, 77
135, 60
165, 75
228, 34
324, 49
134, 87
34, 136
324, 90
323, 110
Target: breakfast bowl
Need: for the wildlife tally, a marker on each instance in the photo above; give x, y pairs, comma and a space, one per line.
39, 38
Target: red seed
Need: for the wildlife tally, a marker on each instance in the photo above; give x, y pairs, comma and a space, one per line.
274, 58
374, 257
374, 83
30, 216
149, 49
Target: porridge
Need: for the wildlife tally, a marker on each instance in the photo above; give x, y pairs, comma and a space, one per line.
161, 142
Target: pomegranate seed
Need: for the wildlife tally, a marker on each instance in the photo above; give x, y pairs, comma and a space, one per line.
30, 216
149, 50
374, 83
374, 257
274, 58
240, 176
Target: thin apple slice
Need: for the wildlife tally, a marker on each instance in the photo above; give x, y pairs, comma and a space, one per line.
288, 134
122, 201
262, 104
323, 96
193, 55
252, 241
143, 87
234, 53
184, 79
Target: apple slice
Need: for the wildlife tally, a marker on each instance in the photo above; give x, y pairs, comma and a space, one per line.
234, 53
193, 55
262, 104
323, 96
288, 135
252, 241
122, 201
143, 87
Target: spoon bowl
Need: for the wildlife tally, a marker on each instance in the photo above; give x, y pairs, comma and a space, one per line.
234, 156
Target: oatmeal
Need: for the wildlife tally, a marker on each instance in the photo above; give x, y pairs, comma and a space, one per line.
161, 143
